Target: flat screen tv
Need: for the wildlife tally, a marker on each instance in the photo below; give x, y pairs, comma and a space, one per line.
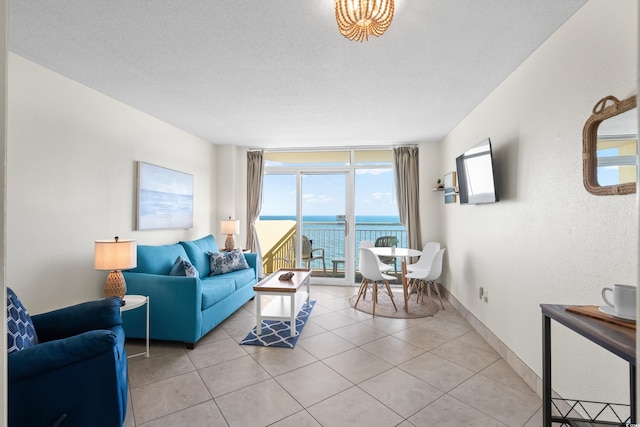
476, 179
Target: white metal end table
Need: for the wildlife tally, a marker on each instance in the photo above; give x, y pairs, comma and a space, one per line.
132, 302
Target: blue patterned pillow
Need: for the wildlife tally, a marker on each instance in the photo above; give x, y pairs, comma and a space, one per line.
182, 267
226, 262
20, 331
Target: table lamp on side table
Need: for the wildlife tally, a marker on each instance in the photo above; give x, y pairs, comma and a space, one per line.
115, 255
229, 227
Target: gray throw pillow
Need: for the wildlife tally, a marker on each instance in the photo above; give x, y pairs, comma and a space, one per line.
182, 267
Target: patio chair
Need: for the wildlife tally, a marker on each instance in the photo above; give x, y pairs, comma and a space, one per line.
387, 242
309, 253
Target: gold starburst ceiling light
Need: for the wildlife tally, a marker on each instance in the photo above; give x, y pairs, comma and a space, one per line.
358, 19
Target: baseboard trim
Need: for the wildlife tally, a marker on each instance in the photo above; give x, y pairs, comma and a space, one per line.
525, 372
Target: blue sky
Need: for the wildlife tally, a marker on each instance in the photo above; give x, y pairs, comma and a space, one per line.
324, 194
608, 175
157, 178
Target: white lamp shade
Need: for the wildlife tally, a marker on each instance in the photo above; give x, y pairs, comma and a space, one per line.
230, 226
115, 255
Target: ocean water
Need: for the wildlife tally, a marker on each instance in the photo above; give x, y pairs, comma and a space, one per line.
327, 232
159, 209
391, 219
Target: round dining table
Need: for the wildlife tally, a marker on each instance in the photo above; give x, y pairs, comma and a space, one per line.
403, 254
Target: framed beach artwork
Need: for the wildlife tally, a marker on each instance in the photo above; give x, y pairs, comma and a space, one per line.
165, 198
450, 193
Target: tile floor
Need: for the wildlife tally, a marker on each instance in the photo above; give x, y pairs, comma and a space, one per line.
348, 369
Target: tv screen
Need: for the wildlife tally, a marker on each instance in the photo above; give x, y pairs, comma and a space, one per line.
476, 181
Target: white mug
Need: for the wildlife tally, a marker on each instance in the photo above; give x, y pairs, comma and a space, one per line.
624, 299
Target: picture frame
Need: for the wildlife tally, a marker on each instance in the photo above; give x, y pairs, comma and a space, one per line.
450, 190
164, 198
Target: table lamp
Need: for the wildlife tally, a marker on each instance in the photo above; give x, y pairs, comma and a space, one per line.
115, 255
229, 227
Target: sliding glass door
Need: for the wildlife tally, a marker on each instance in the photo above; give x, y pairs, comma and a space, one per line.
318, 206
304, 223
324, 224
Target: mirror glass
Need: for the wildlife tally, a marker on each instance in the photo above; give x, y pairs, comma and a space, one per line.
617, 149
610, 147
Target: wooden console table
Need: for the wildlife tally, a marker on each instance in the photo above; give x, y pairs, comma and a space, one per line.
619, 340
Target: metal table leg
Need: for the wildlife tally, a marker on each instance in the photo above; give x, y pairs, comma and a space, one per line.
546, 371
632, 391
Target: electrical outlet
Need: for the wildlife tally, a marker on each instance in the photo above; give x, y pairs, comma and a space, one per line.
481, 292
486, 296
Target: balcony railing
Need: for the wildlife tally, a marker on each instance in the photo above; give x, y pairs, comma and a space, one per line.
326, 235
281, 255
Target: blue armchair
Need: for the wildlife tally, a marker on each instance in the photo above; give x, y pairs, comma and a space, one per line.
67, 367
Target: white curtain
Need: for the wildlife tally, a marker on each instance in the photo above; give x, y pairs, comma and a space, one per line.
405, 169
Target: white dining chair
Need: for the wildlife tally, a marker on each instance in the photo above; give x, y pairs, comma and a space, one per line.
381, 265
427, 278
371, 276
424, 262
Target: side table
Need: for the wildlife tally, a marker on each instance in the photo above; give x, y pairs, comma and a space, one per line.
336, 262
132, 302
619, 340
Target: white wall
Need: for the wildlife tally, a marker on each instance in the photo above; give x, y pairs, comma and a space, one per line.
3, 172
71, 180
548, 240
430, 201
231, 184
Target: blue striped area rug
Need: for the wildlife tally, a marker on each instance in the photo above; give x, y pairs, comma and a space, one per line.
277, 333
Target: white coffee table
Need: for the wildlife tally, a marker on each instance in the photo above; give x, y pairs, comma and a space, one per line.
290, 296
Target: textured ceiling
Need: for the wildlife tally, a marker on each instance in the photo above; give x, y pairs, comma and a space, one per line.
277, 73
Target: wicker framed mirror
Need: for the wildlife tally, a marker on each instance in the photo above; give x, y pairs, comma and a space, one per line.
610, 147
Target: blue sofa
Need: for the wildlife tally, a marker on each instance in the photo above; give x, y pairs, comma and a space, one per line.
72, 371
185, 308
